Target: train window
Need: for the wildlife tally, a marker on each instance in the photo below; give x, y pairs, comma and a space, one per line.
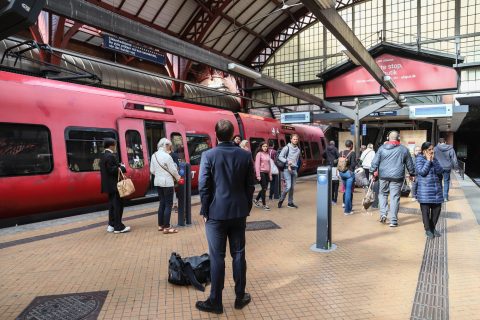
275, 143
134, 149
323, 144
25, 150
177, 143
197, 144
255, 144
302, 149
308, 152
282, 143
85, 147
315, 151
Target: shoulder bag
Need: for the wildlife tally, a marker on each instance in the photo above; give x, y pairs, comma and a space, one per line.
175, 182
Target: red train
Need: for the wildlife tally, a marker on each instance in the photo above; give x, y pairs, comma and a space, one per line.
51, 136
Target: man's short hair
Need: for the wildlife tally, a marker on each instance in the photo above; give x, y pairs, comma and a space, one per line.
348, 143
393, 135
224, 130
294, 135
108, 142
441, 140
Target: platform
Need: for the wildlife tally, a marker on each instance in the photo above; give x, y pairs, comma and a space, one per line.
377, 272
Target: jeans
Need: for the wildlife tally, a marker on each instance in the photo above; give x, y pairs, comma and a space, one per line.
264, 178
115, 211
165, 197
430, 215
217, 233
290, 180
446, 183
348, 178
275, 187
394, 188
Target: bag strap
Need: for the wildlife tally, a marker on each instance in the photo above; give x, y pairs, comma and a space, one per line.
121, 176
164, 168
191, 276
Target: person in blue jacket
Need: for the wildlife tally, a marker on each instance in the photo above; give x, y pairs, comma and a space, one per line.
429, 188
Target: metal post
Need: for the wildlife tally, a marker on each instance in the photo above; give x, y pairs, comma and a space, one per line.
324, 211
357, 128
181, 197
188, 194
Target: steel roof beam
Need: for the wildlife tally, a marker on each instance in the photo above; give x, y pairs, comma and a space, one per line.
108, 21
326, 13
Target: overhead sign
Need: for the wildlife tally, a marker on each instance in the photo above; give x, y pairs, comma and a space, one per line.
407, 74
123, 46
431, 111
295, 117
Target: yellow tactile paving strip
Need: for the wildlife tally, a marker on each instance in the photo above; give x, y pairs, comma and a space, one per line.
372, 275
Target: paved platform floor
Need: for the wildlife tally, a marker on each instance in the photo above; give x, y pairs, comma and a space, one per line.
377, 272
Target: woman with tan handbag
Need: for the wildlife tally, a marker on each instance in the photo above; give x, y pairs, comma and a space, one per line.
166, 175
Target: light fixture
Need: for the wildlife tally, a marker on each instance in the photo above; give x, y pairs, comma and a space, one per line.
244, 71
327, 4
402, 99
389, 82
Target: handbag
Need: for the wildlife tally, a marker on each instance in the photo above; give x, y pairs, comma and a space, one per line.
369, 197
191, 270
125, 185
175, 182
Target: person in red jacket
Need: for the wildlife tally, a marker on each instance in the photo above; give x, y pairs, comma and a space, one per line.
264, 174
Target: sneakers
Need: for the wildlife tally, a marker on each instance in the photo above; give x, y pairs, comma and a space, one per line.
256, 203
110, 228
429, 234
334, 203
343, 205
280, 203
383, 218
393, 224
292, 205
414, 199
126, 229
266, 208
240, 303
348, 213
437, 233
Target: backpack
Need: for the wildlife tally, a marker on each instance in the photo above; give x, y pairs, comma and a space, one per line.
342, 164
279, 163
192, 270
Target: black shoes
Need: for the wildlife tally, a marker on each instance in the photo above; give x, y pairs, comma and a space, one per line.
280, 203
208, 306
437, 233
292, 205
240, 303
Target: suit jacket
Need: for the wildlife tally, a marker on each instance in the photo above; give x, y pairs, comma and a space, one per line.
226, 182
109, 172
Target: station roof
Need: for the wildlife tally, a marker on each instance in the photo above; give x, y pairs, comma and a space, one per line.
248, 31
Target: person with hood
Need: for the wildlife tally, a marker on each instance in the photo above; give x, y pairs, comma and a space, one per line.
429, 188
289, 155
447, 158
389, 166
331, 154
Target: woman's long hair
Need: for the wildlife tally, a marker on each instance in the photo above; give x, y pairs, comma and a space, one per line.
426, 145
259, 149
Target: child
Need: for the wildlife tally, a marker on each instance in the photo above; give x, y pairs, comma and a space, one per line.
335, 183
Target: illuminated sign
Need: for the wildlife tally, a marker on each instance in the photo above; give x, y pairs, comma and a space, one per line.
295, 117
431, 111
408, 75
123, 46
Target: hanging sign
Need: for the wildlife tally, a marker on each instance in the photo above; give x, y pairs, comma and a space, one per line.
131, 49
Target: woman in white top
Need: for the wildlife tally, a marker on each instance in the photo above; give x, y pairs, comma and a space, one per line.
165, 171
366, 159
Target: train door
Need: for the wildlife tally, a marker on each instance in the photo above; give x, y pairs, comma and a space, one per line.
154, 131
132, 142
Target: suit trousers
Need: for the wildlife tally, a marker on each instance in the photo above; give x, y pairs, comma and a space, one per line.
218, 231
430, 215
115, 211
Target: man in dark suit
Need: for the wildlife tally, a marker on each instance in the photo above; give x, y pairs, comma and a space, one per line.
226, 186
109, 166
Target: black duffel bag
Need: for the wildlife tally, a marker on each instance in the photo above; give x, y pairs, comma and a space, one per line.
192, 270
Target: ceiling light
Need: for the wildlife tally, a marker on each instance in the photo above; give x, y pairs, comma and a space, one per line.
244, 71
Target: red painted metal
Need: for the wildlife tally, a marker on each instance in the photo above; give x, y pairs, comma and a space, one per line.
408, 75
58, 105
